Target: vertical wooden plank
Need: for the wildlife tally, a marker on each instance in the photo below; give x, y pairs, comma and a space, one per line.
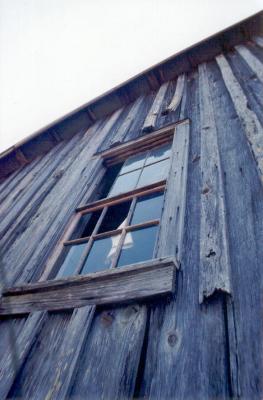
172, 223
55, 211
251, 60
214, 252
35, 377
178, 94
248, 118
109, 362
35, 191
251, 86
125, 126
22, 346
135, 129
244, 202
70, 352
150, 120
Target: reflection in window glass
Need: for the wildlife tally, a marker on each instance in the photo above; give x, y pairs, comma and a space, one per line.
71, 261
124, 183
115, 217
133, 251
148, 208
101, 254
159, 154
154, 173
133, 163
88, 222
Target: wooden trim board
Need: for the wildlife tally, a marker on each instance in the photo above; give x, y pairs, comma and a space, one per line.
135, 282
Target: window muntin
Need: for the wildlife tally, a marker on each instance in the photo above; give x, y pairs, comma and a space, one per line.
114, 232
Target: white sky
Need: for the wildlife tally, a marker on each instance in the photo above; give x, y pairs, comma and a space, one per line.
58, 54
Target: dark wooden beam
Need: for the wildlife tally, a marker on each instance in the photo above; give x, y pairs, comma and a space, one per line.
135, 282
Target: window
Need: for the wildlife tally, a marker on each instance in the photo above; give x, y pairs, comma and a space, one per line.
121, 228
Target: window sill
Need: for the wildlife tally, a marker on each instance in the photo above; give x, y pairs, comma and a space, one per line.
137, 282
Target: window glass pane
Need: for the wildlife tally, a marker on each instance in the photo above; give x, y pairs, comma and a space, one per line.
147, 208
71, 261
138, 246
108, 180
115, 216
87, 223
159, 154
124, 183
154, 173
101, 254
133, 162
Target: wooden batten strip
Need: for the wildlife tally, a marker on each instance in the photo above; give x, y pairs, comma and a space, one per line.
178, 94
248, 118
136, 282
214, 266
251, 60
172, 222
151, 118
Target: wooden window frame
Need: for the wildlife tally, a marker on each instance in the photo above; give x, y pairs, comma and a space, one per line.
104, 204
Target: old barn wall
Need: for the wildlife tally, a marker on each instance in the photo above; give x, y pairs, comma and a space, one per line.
206, 341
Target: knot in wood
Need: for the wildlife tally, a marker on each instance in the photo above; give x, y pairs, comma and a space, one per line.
58, 174
211, 253
172, 339
205, 190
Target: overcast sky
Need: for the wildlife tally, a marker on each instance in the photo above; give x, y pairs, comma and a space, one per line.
58, 54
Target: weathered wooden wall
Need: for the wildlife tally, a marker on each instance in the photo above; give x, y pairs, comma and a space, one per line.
205, 343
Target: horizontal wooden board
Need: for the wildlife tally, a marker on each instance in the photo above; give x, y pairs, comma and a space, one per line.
121, 285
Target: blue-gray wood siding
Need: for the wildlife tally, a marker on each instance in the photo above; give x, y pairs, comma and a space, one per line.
205, 342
